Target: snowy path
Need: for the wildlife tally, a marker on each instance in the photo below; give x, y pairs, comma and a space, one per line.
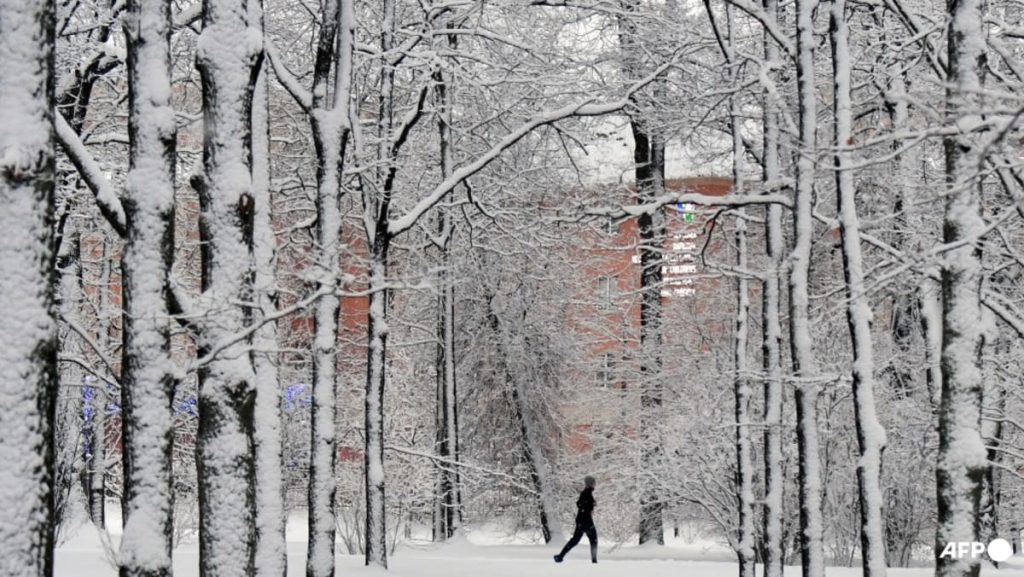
83, 556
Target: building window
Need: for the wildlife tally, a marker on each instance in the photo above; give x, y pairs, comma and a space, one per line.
610, 226
607, 289
606, 371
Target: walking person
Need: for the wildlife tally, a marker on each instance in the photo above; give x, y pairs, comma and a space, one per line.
584, 522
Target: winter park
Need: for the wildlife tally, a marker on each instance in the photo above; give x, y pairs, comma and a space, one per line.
511, 287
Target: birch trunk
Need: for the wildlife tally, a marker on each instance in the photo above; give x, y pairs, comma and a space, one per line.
962, 459
804, 364
28, 335
229, 55
870, 433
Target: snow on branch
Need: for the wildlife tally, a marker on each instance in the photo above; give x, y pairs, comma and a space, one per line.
584, 108
90, 171
1000, 306
730, 200
1005, 310
770, 25
463, 466
96, 349
251, 329
302, 96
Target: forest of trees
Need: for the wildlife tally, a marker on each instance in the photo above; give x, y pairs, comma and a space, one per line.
339, 256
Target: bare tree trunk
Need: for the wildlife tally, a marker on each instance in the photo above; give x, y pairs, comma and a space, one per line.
771, 346
229, 58
870, 433
746, 537
329, 119
649, 156
147, 380
962, 460
94, 396
448, 508
649, 161
97, 483
28, 335
376, 514
804, 364
271, 553
742, 394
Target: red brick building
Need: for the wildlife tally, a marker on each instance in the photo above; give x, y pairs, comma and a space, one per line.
607, 318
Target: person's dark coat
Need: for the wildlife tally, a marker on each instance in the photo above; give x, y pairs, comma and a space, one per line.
585, 507
584, 523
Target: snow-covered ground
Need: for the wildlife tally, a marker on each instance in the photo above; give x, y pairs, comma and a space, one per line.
485, 555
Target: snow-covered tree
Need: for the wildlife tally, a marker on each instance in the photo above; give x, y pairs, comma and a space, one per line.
229, 53
148, 377
28, 340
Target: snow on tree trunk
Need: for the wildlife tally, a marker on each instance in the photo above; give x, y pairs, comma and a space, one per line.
804, 364
771, 346
28, 335
962, 459
329, 120
147, 380
742, 396
870, 433
376, 533
377, 216
228, 57
746, 536
271, 553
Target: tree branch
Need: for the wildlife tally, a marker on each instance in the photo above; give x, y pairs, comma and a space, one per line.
106, 198
584, 108
291, 84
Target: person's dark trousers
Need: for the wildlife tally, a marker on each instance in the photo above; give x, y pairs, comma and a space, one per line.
591, 532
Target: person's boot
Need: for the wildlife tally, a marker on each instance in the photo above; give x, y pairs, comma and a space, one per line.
593, 553
558, 558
